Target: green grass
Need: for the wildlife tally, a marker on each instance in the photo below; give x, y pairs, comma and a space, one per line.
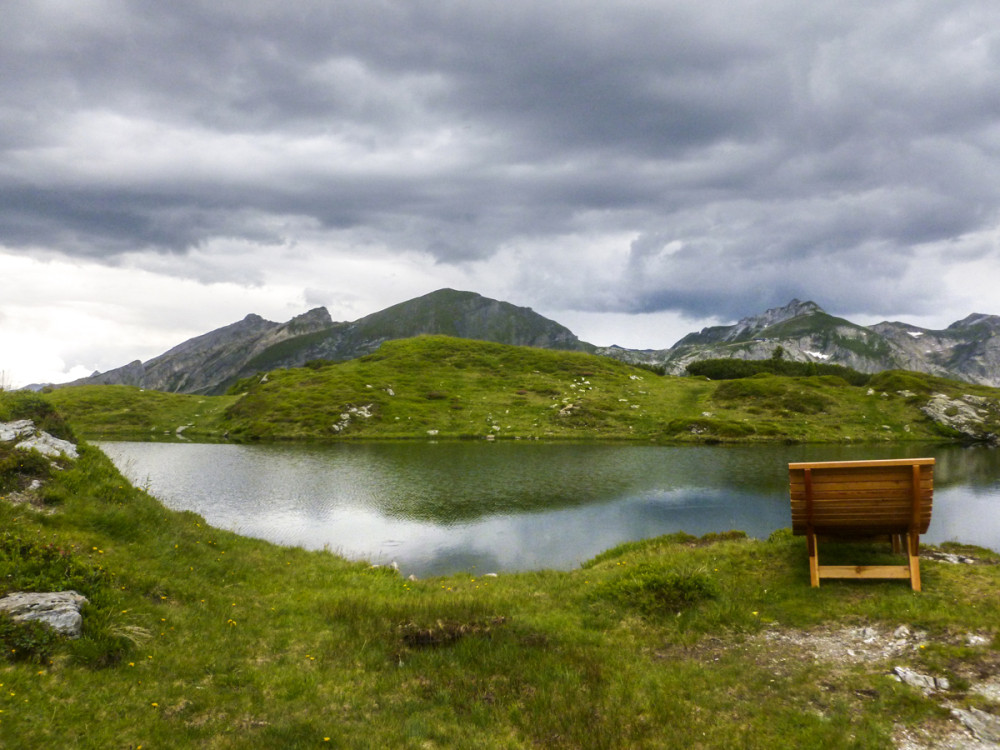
196, 637
444, 387
138, 414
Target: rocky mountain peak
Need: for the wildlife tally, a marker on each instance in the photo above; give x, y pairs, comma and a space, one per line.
993, 321
753, 324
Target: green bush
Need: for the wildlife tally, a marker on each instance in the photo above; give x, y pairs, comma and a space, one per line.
766, 387
655, 591
18, 468
27, 565
734, 369
29, 405
27, 640
892, 381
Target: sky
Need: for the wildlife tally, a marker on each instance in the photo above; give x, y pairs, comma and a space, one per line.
634, 169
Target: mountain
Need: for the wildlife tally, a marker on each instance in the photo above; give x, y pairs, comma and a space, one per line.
211, 362
967, 350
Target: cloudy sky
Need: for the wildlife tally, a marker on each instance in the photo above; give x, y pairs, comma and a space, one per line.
633, 169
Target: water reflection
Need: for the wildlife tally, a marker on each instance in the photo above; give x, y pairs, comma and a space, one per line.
443, 507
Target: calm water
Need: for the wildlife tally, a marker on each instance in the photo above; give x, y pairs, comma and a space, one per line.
437, 508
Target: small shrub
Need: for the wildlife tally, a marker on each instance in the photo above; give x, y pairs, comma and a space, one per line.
731, 369
892, 381
29, 405
805, 403
749, 389
18, 468
655, 591
318, 364
31, 566
27, 640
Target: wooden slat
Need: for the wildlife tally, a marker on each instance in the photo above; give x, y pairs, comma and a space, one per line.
864, 571
871, 462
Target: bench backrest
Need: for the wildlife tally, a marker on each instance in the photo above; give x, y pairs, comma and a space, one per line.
862, 497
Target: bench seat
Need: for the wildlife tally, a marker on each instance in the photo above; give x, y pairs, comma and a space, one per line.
852, 499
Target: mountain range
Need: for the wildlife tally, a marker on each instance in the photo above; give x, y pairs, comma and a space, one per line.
210, 363
967, 350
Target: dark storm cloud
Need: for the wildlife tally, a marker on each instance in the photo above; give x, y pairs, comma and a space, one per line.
757, 151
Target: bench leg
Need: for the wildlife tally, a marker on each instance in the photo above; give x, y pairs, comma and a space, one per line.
913, 550
813, 559
897, 543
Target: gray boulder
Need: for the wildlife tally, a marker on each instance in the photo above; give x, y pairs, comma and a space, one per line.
60, 610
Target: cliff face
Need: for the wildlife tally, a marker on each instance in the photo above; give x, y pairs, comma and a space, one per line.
211, 362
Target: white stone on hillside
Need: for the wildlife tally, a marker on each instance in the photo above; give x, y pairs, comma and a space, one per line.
14, 430
59, 609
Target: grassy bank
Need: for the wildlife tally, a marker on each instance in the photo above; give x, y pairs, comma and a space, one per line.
195, 637
454, 388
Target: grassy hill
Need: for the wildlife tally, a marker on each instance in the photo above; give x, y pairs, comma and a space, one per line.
456, 388
196, 637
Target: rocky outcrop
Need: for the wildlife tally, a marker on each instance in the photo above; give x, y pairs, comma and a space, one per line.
60, 610
975, 417
35, 439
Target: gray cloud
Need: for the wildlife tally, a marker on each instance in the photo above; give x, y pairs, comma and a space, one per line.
756, 151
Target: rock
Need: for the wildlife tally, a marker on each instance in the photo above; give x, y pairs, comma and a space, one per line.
922, 681
975, 417
49, 446
36, 439
60, 610
984, 725
948, 557
14, 430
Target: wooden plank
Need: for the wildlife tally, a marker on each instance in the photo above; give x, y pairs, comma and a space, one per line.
867, 462
902, 487
864, 571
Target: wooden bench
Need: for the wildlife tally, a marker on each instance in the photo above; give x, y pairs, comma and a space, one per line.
847, 499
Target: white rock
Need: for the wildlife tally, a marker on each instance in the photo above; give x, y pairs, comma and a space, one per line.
922, 681
49, 446
14, 430
60, 609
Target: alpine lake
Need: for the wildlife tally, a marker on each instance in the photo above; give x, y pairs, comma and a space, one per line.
435, 508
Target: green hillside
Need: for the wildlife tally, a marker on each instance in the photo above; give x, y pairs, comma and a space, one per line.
444, 387
194, 637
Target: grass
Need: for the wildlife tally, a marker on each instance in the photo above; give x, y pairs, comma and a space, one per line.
443, 387
196, 637
139, 414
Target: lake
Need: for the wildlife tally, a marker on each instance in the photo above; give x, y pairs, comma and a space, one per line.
439, 508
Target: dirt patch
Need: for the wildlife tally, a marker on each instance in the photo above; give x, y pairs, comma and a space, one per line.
879, 646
